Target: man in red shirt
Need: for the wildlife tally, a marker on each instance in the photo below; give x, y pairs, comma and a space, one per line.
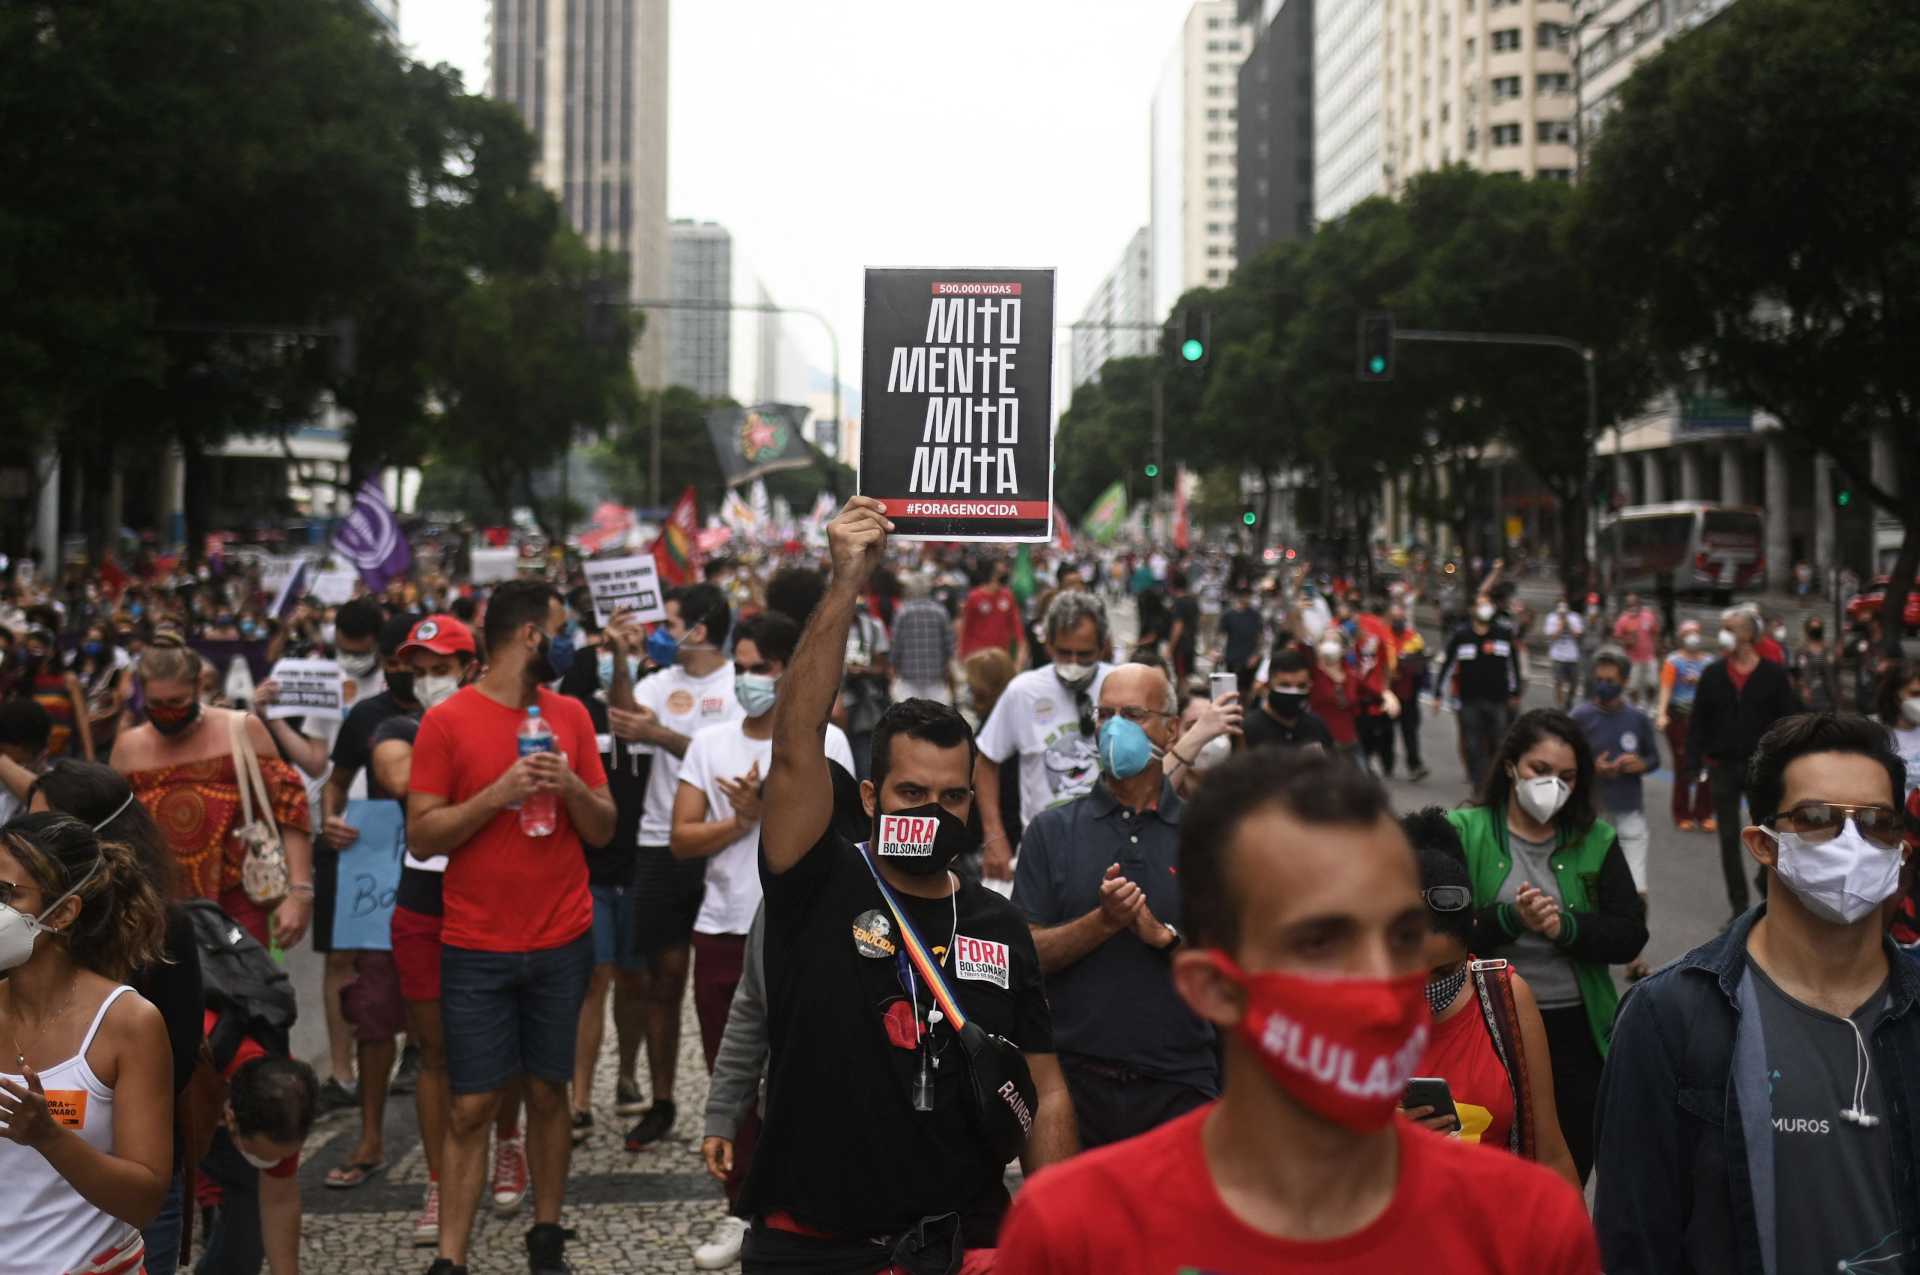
1302, 928
990, 620
516, 937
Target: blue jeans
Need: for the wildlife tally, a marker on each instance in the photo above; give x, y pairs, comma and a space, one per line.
162, 1236
508, 1013
615, 928
233, 1245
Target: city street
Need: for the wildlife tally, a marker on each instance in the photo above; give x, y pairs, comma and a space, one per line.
645, 1213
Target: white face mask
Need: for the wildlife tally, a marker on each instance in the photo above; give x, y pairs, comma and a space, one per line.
356, 664
1840, 880
1073, 676
1727, 640
1542, 796
327, 634
1331, 652
1691, 641
18, 930
430, 690
1483, 613
259, 1162
1216, 751
1910, 709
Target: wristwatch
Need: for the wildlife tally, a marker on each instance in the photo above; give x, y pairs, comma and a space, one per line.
1177, 939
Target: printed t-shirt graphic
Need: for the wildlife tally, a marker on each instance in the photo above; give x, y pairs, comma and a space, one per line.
1037, 719
684, 704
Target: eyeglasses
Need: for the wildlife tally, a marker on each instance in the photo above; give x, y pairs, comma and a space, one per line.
1818, 821
1138, 716
1448, 898
8, 893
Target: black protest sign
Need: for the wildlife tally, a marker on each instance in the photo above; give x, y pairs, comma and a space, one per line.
957, 405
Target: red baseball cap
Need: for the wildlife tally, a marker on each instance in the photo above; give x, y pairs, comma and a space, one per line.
441, 634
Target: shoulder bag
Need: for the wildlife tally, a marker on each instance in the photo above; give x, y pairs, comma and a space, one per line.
263, 873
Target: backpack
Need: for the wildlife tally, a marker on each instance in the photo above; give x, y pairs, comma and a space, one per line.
251, 994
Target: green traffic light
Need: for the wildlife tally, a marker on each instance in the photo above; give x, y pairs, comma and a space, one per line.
1249, 518
1377, 364
1843, 499
1153, 471
1191, 350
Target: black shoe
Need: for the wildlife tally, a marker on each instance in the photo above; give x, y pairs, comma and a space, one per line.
441, 1266
406, 1077
336, 1098
627, 1100
582, 1126
655, 1125
547, 1250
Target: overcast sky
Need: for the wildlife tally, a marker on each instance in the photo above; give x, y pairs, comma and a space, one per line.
832, 135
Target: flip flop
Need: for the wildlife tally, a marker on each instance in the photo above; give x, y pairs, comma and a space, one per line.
349, 1176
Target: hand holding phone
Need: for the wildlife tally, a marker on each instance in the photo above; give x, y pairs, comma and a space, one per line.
1429, 1102
1220, 685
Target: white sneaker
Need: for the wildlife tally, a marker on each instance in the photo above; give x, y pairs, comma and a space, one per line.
426, 1227
723, 1249
509, 1174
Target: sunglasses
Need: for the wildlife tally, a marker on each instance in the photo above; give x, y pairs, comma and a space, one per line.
1084, 704
1818, 821
1448, 898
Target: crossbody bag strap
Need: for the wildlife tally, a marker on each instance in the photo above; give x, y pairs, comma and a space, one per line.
254, 778
918, 953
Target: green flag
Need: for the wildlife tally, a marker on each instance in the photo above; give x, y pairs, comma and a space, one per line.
1107, 515
1022, 579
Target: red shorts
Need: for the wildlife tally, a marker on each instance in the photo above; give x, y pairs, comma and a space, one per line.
416, 954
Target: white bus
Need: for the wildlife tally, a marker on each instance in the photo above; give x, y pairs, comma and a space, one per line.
1701, 547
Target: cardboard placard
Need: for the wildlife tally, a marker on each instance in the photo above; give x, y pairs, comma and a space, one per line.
626, 584
956, 437
334, 588
369, 877
490, 566
314, 689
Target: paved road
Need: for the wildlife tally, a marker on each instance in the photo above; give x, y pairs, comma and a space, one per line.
645, 1213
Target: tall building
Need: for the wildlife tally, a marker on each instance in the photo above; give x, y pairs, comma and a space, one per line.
1276, 126
1617, 35
1194, 153
1488, 83
700, 342
1125, 296
590, 78
1348, 164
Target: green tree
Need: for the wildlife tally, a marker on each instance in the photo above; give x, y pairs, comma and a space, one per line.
1755, 194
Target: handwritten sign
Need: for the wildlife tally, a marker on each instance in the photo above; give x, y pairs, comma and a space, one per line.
308, 688
369, 877
335, 588
955, 436
490, 566
626, 584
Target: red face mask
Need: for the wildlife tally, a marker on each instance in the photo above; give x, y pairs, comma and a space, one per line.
1343, 1048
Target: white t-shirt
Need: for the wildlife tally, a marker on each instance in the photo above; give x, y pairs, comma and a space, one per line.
1037, 719
1565, 631
733, 875
685, 705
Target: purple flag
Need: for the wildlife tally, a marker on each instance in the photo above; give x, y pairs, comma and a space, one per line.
371, 539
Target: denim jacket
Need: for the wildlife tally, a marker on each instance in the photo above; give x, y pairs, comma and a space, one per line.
1687, 1180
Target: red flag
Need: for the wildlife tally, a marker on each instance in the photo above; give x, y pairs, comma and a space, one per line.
1062, 534
673, 549
113, 577
1182, 531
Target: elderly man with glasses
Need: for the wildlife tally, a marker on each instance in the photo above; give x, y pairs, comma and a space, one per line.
1097, 884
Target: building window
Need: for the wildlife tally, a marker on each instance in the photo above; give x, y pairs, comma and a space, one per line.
1505, 87
1555, 132
1214, 24
1556, 174
1551, 35
1553, 84
1214, 114
1504, 134
1216, 276
1473, 139
1213, 250
1507, 41
1470, 48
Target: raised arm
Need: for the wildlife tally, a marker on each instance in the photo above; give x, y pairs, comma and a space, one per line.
799, 785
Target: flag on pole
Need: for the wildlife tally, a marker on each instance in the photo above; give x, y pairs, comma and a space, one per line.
1107, 515
371, 538
1022, 581
1062, 533
673, 547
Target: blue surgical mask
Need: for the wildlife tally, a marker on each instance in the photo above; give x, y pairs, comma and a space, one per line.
756, 692
662, 647
1125, 750
1606, 692
560, 652
606, 668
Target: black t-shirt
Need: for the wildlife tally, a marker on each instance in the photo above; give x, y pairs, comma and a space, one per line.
1242, 628
843, 1150
1187, 611
1264, 730
419, 890
628, 766
353, 746
1839, 1213
1154, 623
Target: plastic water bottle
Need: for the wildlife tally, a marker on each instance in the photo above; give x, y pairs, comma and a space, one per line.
540, 811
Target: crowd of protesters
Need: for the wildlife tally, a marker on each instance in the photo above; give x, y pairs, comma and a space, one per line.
956, 873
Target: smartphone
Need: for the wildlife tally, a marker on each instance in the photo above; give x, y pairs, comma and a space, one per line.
1222, 684
1431, 1091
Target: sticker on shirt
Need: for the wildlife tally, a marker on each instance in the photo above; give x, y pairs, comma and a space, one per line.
981, 960
713, 706
873, 934
1043, 708
1468, 652
605, 743
907, 836
1500, 649
68, 1107
1629, 742
680, 703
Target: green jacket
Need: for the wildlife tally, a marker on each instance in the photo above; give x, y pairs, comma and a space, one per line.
1602, 920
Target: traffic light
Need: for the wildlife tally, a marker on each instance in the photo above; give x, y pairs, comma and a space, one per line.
1842, 496
1376, 347
1153, 471
1249, 517
1196, 336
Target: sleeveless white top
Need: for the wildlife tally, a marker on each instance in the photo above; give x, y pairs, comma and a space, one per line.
46, 1227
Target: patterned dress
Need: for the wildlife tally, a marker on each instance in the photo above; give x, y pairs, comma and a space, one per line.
197, 806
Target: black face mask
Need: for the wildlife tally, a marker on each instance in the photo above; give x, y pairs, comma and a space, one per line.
1286, 703
921, 841
541, 670
401, 684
